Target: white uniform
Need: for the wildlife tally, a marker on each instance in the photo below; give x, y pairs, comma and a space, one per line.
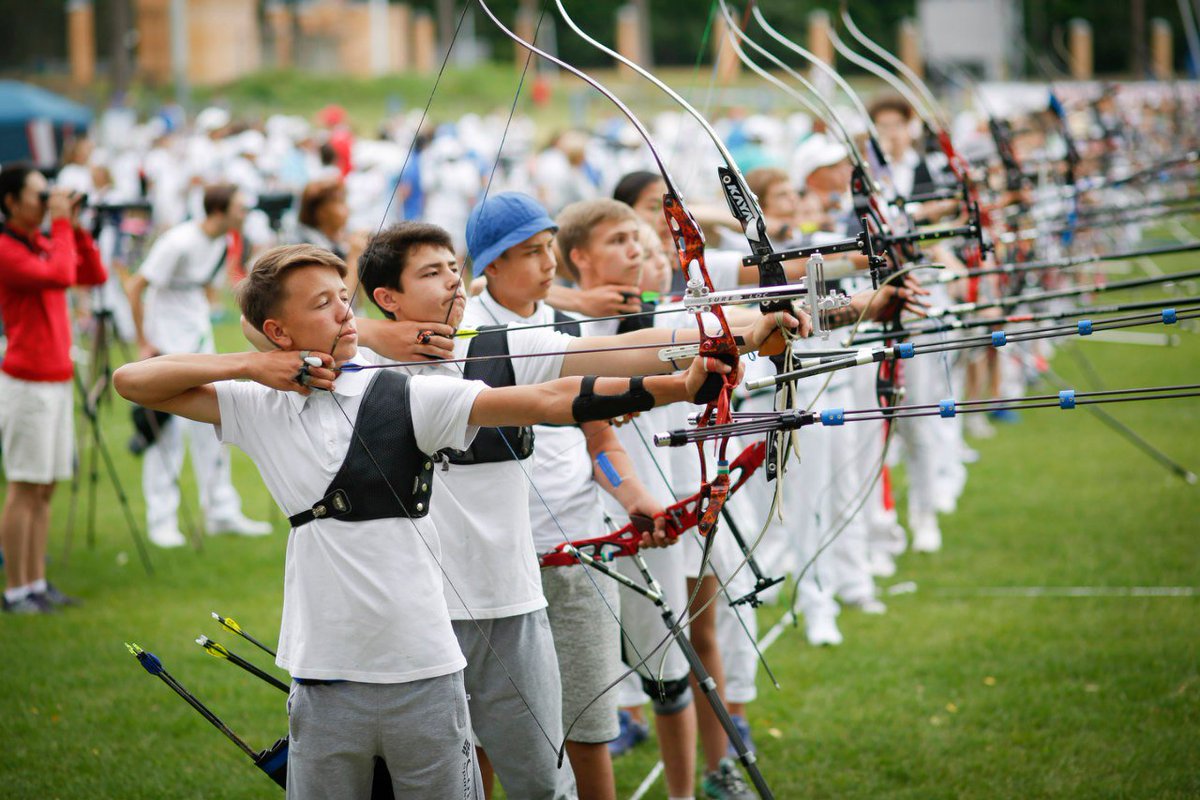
182, 262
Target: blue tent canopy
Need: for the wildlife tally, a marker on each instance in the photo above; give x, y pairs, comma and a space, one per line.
26, 111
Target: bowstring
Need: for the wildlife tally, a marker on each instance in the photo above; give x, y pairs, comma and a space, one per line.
503, 138
709, 92
364, 260
559, 749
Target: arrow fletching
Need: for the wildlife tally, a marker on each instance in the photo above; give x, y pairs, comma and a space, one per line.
148, 660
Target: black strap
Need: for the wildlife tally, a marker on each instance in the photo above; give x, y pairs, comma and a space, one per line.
567, 324
220, 263
334, 504
28, 245
923, 181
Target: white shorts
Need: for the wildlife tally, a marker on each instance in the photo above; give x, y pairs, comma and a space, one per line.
37, 429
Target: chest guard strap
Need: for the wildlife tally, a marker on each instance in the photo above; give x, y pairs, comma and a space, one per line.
565, 323
366, 488
493, 444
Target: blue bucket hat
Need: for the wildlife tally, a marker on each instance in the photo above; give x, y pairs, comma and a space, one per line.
501, 221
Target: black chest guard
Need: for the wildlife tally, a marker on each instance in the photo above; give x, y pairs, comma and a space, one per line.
493, 444
366, 488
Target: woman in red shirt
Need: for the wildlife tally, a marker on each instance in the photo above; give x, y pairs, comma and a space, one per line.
36, 405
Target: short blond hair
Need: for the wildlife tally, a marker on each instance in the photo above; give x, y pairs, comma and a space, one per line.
260, 292
577, 221
760, 180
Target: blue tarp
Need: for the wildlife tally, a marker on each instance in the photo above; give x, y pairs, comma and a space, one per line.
23, 103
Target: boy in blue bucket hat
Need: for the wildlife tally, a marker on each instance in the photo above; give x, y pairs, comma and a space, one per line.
505, 220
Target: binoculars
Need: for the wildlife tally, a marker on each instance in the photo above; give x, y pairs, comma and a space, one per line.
77, 199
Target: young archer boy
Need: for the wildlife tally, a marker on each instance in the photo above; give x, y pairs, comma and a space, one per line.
567, 470
412, 275
347, 455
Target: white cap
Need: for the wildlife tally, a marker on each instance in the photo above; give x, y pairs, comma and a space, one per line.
249, 143
212, 119
813, 153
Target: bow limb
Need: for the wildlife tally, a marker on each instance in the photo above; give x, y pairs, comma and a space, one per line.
932, 106
689, 247
875, 154
819, 109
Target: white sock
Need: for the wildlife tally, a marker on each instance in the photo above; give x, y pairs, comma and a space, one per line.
39, 586
17, 593
689, 797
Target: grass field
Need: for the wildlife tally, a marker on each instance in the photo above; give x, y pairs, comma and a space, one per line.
958, 692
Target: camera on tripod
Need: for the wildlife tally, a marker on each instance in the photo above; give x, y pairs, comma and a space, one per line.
275, 205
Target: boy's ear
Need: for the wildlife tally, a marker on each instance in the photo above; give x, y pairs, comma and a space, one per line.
276, 334
385, 298
579, 257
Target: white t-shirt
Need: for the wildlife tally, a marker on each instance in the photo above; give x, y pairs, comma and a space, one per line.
180, 264
480, 509
564, 499
724, 267
362, 601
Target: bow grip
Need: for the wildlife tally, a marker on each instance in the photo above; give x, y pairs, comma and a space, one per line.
718, 493
714, 384
773, 345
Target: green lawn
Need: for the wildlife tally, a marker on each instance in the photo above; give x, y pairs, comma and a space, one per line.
955, 693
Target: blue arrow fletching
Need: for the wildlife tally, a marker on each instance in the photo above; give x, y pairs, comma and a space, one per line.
150, 662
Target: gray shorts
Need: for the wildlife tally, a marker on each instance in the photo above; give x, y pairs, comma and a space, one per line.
588, 642
520, 730
421, 729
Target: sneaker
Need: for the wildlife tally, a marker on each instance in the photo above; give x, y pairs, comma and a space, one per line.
1006, 415
977, 427
59, 600
239, 526
29, 604
881, 564
870, 605
743, 729
726, 783
822, 631
927, 534
167, 537
632, 734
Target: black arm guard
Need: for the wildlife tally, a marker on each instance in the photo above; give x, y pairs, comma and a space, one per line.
589, 406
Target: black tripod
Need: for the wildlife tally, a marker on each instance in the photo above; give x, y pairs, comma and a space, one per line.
90, 400
653, 592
